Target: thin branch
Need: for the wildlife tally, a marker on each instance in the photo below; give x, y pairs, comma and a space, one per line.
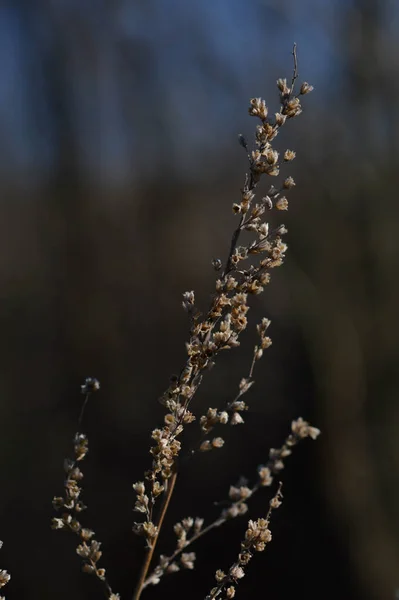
295, 73
150, 551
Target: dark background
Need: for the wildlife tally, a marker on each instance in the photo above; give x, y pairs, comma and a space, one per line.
119, 163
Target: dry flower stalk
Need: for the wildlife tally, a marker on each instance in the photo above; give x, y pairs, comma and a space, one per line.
190, 529
246, 272
257, 536
71, 505
219, 329
232, 412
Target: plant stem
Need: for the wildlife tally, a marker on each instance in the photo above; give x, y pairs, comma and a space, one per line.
150, 551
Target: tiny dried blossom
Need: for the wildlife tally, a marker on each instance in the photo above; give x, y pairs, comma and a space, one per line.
188, 301
81, 446
198, 523
212, 417
220, 575
4, 578
289, 183
217, 442
289, 155
173, 568
236, 572
187, 560
90, 385
241, 493
292, 108
282, 203
258, 108
236, 419
303, 429
205, 446
306, 88
283, 87
265, 476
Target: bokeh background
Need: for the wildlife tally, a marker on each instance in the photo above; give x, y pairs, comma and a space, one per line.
119, 163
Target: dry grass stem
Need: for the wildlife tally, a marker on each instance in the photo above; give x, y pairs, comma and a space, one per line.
220, 328
257, 536
71, 505
246, 272
232, 414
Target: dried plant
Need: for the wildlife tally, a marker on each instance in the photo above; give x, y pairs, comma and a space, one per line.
220, 327
190, 529
246, 272
70, 505
257, 536
4, 577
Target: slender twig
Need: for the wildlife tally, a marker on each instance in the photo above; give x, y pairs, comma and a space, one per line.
250, 543
295, 72
234, 241
150, 551
82, 410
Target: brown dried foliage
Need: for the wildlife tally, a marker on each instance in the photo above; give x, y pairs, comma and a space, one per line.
246, 272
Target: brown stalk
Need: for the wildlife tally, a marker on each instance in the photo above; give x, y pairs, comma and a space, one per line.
150, 551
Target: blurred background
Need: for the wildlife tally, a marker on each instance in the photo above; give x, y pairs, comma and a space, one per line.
119, 164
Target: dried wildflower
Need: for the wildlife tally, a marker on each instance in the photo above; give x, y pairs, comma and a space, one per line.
265, 476
258, 108
4, 578
188, 301
217, 442
219, 575
90, 385
205, 446
292, 108
257, 536
241, 493
81, 446
89, 548
219, 329
282, 203
306, 88
289, 183
236, 419
280, 119
283, 87
289, 155
302, 429
187, 560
